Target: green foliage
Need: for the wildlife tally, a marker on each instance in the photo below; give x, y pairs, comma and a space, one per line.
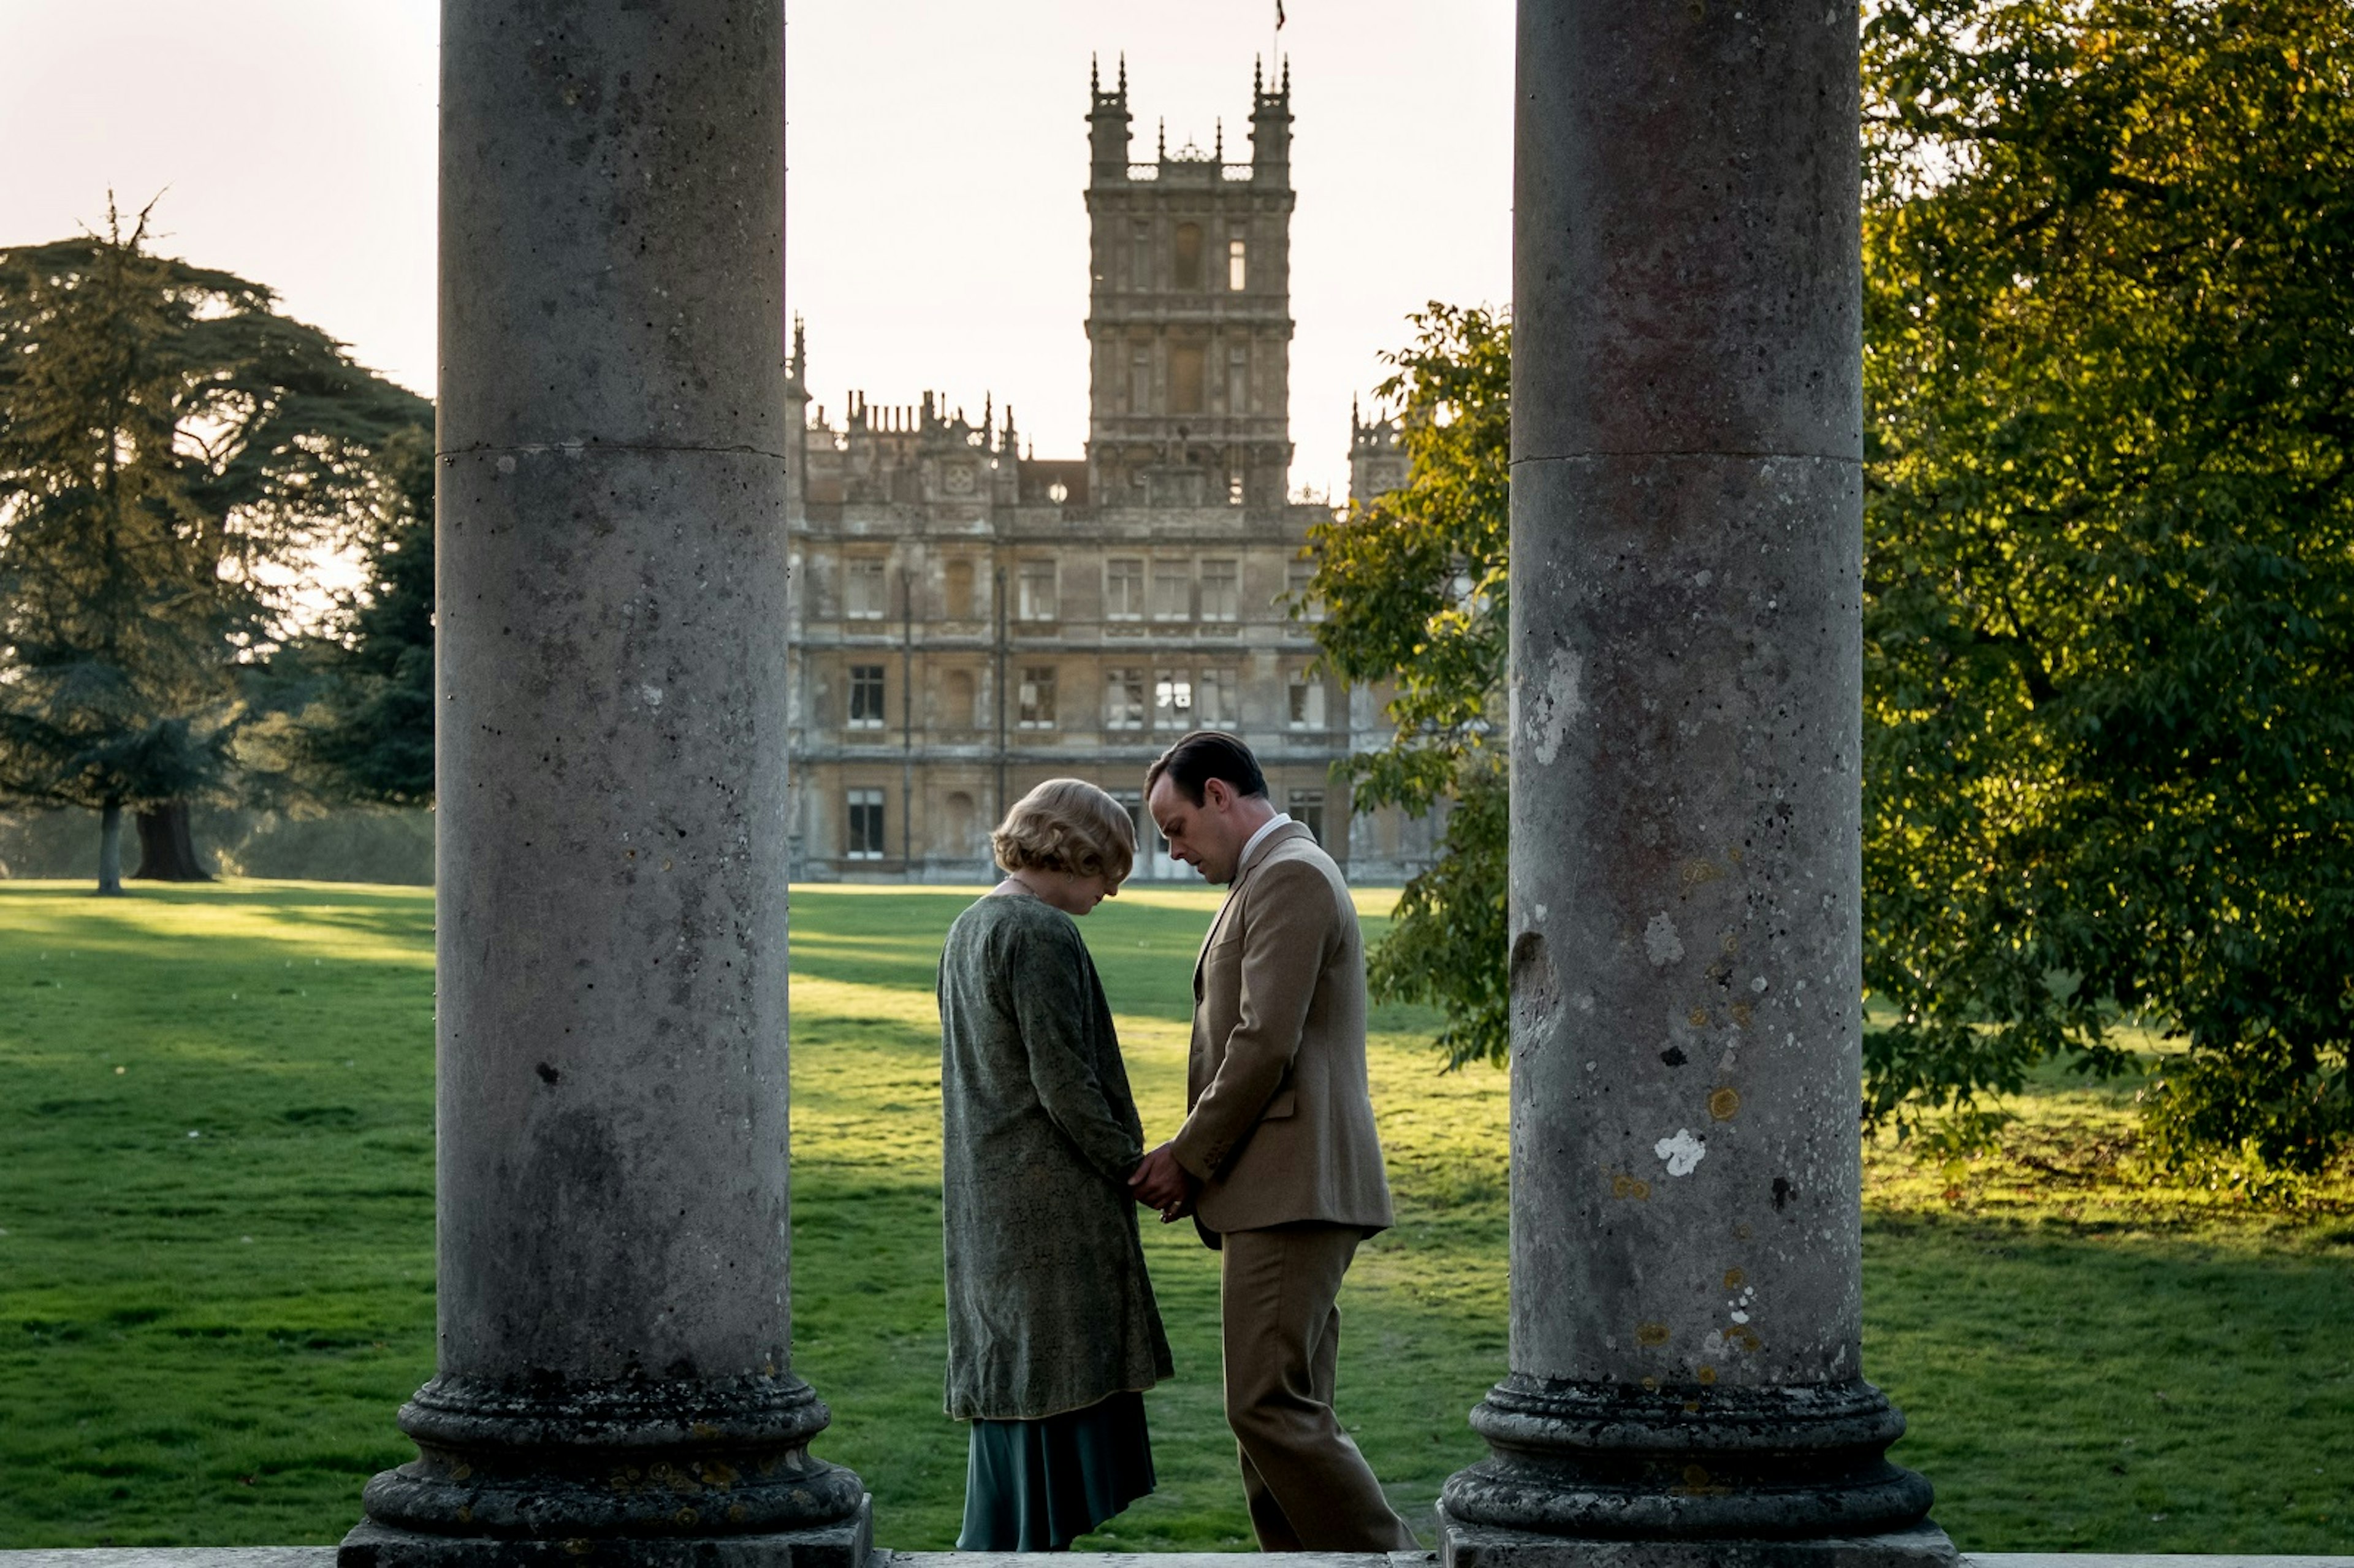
368, 734
174, 457
1451, 923
2109, 622
110, 693
2109, 614
1414, 585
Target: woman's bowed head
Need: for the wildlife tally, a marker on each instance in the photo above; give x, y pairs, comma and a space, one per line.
1067, 844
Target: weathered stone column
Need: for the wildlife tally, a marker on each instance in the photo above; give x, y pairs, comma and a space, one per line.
1686, 1290
614, 1383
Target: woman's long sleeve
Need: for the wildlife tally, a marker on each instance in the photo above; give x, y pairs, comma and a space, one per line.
1054, 1004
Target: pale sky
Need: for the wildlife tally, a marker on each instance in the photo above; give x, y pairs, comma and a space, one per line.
936, 234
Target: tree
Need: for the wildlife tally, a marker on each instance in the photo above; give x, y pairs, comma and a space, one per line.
107, 697
367, 732
1413, 586
174, 457
2110, 596
2109, 612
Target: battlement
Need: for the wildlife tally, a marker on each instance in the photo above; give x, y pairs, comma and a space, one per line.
1382, 433
1110, 118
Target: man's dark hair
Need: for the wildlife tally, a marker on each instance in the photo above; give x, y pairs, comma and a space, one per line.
1205, 755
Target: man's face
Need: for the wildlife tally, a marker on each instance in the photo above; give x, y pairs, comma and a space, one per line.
1206, 837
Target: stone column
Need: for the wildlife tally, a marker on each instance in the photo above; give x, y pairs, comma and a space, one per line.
1686, 511
614, 1380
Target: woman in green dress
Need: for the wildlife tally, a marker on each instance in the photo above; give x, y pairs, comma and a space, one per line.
1052, 1333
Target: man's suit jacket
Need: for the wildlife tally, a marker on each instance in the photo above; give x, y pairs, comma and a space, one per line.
1280, 1123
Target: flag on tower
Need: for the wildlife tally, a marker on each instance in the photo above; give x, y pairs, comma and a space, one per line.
1279, 16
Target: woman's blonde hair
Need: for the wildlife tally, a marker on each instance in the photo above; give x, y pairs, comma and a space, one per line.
1067, 824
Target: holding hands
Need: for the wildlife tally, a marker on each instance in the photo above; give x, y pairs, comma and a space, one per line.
1160, 1182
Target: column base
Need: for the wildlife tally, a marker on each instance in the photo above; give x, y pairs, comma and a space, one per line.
1578, 1461
619, 1473
845, 1544
1482, 1546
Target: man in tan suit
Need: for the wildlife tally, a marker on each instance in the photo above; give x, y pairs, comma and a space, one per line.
1278, 1161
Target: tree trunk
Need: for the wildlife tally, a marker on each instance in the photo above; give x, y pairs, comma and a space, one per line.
110, 849
167, 851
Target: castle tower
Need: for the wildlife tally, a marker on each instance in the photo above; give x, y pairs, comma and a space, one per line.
797, 407
1377, 459
1189, 312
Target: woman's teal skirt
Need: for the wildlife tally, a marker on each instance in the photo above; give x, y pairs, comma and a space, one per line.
1037, 1486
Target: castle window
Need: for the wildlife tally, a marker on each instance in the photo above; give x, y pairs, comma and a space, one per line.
1139, 256
1237, 380
1237, 270
1185, 379
962, 820
1172, 590
1037, 696
865, 591
1220, 590
1172, 699
1216, 704
1123, 699
1189, 256
1035, 599
962, 712
866, 696
960, 588
1123, 589
1140, 382
1148, 832
1307, 809
1301, 602
865, 813
1306, 701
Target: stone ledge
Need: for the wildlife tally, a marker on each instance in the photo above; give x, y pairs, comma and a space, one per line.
1146, 1559
173, 1557
1475, 1546
323, 1557
2141, 1559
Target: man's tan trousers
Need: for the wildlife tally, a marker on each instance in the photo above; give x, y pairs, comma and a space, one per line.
1308, 1487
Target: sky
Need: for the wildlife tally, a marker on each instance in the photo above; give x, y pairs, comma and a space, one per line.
936, 236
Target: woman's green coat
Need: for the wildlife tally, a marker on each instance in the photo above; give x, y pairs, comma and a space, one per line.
1050, 1308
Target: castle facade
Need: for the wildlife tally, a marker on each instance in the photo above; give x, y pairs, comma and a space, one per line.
969, 620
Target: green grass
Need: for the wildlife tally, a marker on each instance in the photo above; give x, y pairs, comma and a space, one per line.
202, 1340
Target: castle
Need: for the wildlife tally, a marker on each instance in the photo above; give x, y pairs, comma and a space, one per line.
970, 619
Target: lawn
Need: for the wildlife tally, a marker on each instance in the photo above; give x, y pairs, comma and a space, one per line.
215, 1258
